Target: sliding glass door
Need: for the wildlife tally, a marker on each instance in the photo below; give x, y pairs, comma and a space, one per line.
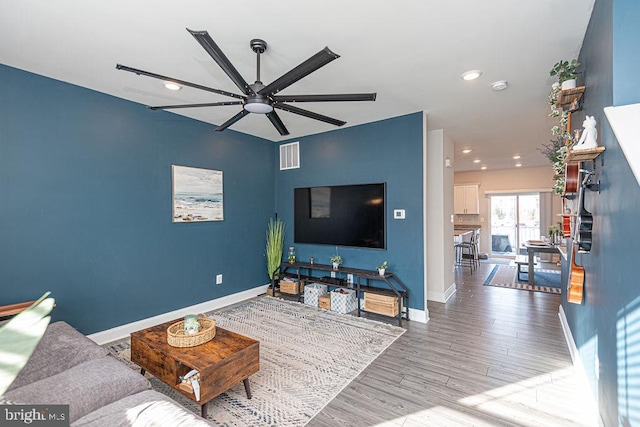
515, 218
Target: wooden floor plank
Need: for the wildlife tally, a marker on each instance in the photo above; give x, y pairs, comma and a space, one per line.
489, 356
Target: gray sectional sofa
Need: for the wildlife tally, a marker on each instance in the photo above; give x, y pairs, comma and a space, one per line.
68, 368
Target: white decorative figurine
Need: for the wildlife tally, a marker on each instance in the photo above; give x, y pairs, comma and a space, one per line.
589, 138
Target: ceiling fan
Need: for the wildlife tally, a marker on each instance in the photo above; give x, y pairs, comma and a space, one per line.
258, 98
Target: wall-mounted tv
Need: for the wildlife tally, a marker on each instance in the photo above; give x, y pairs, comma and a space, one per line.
341, 215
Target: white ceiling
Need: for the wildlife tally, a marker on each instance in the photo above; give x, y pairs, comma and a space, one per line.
410, 52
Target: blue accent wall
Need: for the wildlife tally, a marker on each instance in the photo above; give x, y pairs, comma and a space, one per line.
626, 23
85, 184
606, 327
386, 151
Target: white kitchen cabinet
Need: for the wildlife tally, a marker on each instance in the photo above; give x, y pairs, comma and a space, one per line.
466, 199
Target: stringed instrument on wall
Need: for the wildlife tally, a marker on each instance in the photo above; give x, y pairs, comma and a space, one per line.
584, 221
582, 241
571, 181
575, 287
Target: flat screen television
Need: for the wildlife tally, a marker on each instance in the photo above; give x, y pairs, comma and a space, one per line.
341, 215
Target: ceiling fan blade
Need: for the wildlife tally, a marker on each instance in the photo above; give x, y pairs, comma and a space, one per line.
318, 60
310, 114
182, 82
209, 104
215, 52
326, 98
232, 120
277, 123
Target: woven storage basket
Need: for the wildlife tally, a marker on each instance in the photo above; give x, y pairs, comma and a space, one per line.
177, 338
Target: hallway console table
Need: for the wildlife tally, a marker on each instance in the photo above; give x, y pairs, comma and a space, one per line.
363, 280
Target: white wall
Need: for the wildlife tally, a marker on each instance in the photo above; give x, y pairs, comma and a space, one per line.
439, 227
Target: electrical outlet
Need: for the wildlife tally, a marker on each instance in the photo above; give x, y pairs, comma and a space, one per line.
349, 278
219, 279
333, 274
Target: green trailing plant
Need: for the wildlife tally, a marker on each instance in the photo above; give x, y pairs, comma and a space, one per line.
274, 246
382, 266
556, 152
565, 70
20, 336
553, 100
337, 259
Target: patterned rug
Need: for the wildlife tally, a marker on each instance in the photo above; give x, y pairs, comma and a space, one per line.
307, 356
504, 276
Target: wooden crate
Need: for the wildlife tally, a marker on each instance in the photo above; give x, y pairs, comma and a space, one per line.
290, 287
324, 301
381, 304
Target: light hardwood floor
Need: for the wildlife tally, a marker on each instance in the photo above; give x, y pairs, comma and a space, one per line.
489, 356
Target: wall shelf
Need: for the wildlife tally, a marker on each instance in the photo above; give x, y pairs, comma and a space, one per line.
583, 155
570, 98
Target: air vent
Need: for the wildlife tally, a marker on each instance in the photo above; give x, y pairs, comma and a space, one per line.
290, 156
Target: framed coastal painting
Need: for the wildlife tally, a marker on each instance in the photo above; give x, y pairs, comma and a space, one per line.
197, 194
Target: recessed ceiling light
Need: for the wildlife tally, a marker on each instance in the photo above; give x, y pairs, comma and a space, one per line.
516, 157
499, 85
483, 168
471, 74
467, 150
172, 85
477, 161
518, 165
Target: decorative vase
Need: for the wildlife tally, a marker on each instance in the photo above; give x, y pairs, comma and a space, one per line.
381, 271
568, 84
335, 265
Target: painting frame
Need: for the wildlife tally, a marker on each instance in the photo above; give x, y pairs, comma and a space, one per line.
197, 194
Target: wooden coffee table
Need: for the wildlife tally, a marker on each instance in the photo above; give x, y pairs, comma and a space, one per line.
222, 362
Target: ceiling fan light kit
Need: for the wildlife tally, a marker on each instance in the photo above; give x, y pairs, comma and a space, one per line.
172, 85
257, 98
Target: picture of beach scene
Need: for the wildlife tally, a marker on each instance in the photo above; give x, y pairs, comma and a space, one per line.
197, 194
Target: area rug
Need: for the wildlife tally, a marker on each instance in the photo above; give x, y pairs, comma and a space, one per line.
307, 356
504, 276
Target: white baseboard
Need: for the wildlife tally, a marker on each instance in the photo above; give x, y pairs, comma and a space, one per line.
416, 315
123, 331
442, 297
577, 363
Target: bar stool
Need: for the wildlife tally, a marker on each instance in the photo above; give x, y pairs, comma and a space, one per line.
468, 249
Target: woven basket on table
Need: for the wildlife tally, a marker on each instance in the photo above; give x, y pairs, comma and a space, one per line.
176, 337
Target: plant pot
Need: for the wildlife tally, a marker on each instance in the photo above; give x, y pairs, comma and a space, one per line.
568, 84
335, 265
381, 271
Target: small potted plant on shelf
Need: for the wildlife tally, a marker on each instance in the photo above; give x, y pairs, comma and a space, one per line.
336, 260
566, 72
382, 268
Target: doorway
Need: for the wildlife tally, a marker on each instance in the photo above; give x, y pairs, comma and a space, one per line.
514, 219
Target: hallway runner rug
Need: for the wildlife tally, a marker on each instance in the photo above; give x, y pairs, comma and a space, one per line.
504, 276
307, 356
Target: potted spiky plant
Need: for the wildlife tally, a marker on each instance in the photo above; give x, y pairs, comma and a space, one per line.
273, 249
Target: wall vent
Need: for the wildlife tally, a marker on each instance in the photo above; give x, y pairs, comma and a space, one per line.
290, 156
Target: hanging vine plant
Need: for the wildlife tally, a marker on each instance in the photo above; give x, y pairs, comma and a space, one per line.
556, 152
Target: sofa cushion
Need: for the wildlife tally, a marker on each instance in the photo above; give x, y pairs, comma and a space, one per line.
145, 409
61, 348
84, 387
